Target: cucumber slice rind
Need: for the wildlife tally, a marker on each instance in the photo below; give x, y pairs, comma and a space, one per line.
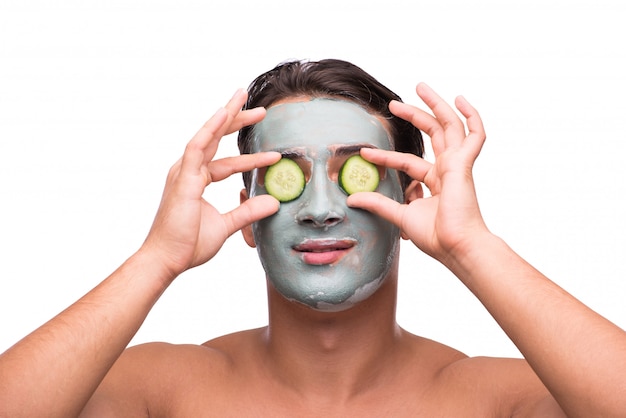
284, 180
358, 175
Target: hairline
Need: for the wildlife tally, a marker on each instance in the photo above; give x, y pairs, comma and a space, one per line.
309, 97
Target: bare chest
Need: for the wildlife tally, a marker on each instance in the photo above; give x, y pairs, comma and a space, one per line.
258, 402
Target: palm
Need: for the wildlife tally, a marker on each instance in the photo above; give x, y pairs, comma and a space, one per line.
187, 230
443, 222
440, 223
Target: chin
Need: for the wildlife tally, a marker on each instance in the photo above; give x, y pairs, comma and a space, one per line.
323, 302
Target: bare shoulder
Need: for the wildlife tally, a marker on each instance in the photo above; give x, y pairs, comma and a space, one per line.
508, 385
426, 378
477, 386
153, 379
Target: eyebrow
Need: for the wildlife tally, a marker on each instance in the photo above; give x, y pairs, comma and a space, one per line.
341, 151
292, 154
351, 149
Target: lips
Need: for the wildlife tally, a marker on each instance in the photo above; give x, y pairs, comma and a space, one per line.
323, 251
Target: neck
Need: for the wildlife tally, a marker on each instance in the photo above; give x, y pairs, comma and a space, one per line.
333, 355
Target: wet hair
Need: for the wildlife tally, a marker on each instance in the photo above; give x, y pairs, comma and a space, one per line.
334, 79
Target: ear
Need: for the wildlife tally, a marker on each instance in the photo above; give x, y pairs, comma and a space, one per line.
413, 192
246, 231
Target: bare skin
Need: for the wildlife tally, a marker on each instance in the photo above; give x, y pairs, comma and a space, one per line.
335, 367
353, 363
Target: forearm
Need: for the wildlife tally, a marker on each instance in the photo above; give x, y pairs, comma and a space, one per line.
53, 371
579, 355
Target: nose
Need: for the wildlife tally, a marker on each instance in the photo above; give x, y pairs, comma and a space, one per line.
323, 202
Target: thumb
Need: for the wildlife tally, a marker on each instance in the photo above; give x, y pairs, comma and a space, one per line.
250, 211
378, 204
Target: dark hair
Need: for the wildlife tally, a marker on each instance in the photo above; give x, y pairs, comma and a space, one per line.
330, 78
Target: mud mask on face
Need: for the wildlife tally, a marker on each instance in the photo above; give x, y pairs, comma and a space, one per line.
316, 250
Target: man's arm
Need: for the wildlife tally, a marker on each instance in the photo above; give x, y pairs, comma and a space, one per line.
54, 371
579, 355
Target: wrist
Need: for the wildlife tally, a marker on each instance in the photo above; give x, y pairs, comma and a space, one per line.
152, 266
473, 253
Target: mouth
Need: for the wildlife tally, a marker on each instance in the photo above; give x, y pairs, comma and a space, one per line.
323, 251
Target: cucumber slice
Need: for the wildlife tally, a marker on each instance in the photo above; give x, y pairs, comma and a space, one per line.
284, 180
358, 175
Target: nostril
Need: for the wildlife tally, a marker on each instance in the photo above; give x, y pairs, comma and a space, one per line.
331, 221
325, 221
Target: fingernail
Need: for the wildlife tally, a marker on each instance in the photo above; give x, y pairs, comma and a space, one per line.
237, 93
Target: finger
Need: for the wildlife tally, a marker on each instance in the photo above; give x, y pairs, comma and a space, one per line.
446, 116
476, 136
203, 145
194, 155
233, 107
421, 120
218, 125
245, 118
225, 167
378, 204
174, 170
235, 120
414, 166
235, 104
252, 210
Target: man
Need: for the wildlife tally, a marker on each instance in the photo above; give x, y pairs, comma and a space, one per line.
332, 346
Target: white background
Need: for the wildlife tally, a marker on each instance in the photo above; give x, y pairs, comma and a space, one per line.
98, 99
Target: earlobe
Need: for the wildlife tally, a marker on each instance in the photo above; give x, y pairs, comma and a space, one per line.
413, 192
246, 231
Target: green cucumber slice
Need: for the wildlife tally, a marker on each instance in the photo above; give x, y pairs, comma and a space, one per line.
358, 175
284, 180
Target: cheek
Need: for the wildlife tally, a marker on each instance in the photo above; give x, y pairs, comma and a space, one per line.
374, 231
391, 187
279, 227
266, 240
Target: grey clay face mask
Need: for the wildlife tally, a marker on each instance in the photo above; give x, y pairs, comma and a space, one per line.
316, 250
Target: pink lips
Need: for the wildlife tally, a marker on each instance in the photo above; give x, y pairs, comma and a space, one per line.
323, 251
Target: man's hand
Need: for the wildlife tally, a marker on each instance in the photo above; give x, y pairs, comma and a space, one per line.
447, 222
187, 230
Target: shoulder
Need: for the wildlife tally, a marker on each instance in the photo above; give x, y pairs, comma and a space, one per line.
508, 385
489, 386
169, 360
153, 377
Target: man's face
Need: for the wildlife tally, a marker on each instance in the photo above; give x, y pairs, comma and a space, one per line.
316, 250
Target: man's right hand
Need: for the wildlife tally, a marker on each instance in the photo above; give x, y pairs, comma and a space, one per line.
189, 231
65, 360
